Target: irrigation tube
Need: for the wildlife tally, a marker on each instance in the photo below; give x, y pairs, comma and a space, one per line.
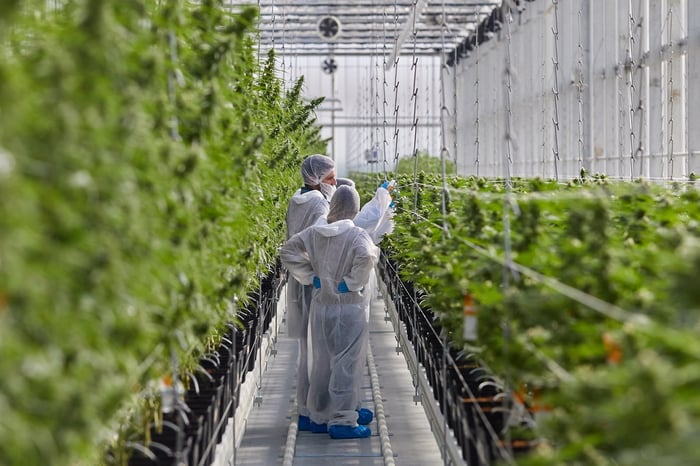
430, 405
387, 452
290, 445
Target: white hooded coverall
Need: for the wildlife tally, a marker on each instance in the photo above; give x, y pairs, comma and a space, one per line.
338, 322
305, 208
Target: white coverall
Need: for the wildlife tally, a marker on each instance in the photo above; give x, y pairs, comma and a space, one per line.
338, 322
303, 211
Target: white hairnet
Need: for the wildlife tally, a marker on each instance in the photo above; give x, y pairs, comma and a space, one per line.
344, 182
345, 204
315, 168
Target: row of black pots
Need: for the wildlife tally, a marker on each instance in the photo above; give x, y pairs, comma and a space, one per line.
190, 433
470, 398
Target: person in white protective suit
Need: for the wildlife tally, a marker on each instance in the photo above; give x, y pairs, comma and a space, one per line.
376, 218
306, 206
337, 258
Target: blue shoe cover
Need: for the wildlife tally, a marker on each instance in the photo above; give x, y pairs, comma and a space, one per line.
342, 432
318, 428
304, 423
364, 416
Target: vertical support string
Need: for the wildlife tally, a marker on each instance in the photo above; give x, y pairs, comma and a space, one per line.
543, 99
385, 142
283, 65
579, 89
414, 152
174, 78
257, 35
446, 234
508, 204
669, 89
396, 85
444, 151
555, 90
639, 70
414, 120
372, 95
454, 110
377, 135
629, 73
477, 114
620, 115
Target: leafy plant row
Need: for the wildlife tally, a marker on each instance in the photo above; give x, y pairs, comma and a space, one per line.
587, 303
145, 161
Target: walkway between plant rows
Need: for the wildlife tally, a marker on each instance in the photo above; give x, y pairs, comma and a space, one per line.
402, 436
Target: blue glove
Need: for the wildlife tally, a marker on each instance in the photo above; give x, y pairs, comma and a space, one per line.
317, 283
342, 287
389, 185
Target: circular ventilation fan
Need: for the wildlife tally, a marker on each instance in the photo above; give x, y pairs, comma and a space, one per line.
329, 28
329, 66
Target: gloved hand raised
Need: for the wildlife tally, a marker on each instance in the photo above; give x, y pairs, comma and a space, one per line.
389, 185
343, 287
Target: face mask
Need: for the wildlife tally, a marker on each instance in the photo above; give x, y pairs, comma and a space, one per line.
327, 190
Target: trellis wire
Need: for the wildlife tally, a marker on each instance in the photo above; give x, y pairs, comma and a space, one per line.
609, 310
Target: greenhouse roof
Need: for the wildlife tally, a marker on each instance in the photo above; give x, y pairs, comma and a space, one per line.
368, 27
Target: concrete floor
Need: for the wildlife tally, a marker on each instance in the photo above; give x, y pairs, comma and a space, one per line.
268, 432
